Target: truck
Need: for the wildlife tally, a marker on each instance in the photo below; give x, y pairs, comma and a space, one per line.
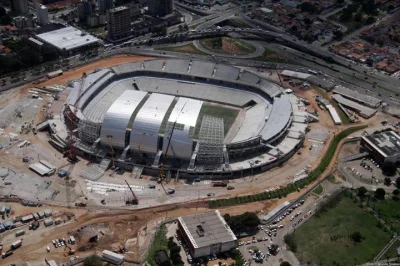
33, 226
219, 183
16, 244
54, 74
6, 254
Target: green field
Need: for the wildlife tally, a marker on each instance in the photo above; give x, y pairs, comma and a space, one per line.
228, 45
340, 219
318, 190
392, 252
389, 211
189, 48
228, 114
160, 242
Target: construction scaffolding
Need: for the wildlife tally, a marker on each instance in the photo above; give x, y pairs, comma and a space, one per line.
211, 138
88, 131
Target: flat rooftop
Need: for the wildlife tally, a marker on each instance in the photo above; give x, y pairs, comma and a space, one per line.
206, 229
387, 142
67, 38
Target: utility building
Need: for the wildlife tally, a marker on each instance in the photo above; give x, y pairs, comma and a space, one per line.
206, 234
384, 146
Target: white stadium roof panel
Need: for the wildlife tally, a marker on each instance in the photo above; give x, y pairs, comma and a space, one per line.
186, 112
146, 127
67, 38
117, 118
278, 119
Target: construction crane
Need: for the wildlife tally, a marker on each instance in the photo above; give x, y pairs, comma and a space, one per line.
134, 200
71, 139
161, 173
70, 250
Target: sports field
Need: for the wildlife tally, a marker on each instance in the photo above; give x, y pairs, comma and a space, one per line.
228, 114
324, 238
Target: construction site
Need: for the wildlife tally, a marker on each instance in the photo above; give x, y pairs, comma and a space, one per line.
103, 140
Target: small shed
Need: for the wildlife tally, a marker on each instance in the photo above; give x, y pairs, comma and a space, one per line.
48, 222
48, 212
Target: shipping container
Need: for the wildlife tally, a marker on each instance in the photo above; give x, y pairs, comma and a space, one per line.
48, 222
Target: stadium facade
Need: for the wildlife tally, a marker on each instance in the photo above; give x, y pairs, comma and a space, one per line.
155, 112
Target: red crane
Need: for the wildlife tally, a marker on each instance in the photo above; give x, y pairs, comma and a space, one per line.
134, 200
74, 119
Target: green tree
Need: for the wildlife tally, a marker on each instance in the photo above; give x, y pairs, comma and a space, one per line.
92, 260
308, 7
389, 168
370, 20
396, 192
387, 181
398, 182
361, 192
356, 237
358, 17
380, 193
285, 263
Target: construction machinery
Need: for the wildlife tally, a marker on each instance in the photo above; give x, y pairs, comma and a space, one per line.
70, 250
74, 125
134, 200
219, 183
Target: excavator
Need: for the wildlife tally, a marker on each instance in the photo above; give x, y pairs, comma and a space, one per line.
70, 250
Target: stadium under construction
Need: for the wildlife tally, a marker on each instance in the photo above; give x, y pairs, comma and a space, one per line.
196, 118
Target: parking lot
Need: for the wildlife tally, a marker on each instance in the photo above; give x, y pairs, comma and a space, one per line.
367, 170
273, 234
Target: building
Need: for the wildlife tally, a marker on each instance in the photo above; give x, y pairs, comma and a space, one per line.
19, 7
85, 9
160, 7
119, 23
383, 146
206, 234
105, 5
42, 14
68, 40
20, 22
114, 258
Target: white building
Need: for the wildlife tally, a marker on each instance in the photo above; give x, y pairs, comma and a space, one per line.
113, 257
42, 14
206, 233
68, 40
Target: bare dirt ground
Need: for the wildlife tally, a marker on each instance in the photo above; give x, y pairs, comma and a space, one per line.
117, 227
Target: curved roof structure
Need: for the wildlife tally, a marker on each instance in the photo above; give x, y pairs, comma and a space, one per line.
146, 127
117, 118
181, 124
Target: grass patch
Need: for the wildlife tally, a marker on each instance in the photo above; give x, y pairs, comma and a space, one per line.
160, 242
228, 114
388, 210
318, 190
270, 56
227, 45
284, 191
189, 48
342, 218
194, 26
392, 251
238, 23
